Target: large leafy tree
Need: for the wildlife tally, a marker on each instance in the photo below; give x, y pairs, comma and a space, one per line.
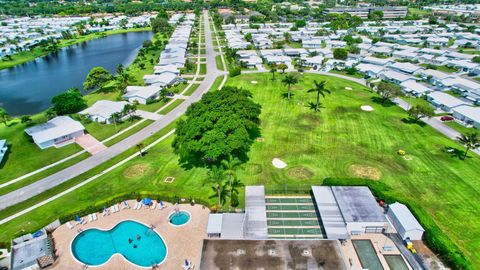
69, 102
419, 111
319, 89
4, 117
470, 141
289, 80
388, 91
222, 123
98, 77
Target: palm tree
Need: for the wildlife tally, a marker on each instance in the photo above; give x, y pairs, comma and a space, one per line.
289, 80
120, 69
140, 149
230, 165
320, 90
216, 175
470, 141
116, 118
234, 186
273, 69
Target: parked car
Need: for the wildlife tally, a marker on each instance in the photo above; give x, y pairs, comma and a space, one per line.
446, 118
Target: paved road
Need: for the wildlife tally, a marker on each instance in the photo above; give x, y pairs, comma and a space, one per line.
85, 165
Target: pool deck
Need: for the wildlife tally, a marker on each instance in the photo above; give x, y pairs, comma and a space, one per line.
378, 242
183, 242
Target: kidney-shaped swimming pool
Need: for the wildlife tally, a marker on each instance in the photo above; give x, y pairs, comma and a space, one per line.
136, 242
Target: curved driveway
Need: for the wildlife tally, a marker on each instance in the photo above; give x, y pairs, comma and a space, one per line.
85, 165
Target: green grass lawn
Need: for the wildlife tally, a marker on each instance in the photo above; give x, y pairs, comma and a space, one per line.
460, 128
172, 106
152, 107
102, 131
470, 51
22, 57
203, 69
420, 12
218, 61
128, 133
191, 90
442, 68
339, 141
293, 44
23, 155
416, 101
342, 72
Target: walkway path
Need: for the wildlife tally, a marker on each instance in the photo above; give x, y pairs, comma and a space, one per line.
85, 165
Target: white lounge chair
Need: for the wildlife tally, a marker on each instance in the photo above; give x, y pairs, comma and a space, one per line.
90, 217
113, 209
154, 204
116, 208
139, 205
69, 225
125, 205
83, 221
94, 215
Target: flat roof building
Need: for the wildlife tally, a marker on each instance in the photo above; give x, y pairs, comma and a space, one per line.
360, 210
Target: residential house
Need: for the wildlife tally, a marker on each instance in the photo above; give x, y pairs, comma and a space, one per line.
394, 76
141, 94
434, 77
103, 110
56, 132
468, 88
370, 70
407, 68
444, 101
173, 69
468, 115
163, 80
414, 88
376, 61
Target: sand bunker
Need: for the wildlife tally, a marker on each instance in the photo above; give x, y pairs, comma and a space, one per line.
254, 82
366, 108
348, 88
278, 163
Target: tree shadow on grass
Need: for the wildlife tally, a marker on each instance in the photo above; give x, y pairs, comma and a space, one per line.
411, 121
384, 103
285, 95
454, 152
313, 106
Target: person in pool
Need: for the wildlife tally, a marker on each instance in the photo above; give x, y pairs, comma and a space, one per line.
138, 237
130, 240
134, 246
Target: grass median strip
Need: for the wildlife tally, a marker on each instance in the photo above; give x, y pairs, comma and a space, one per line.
172, 106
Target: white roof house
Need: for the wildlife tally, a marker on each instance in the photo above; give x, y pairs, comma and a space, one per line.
166, 69
56, 132
445, 101
376, 61
468, 115
162, 80
102, 110
141, 93
415, 88
434, 76
395, 77
405, 67
370, 70
3, 149
332, 219
404, 222
314, 61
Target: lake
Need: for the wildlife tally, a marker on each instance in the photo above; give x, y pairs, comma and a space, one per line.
28, 88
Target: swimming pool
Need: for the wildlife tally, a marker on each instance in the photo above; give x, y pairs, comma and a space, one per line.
396, 262
367, 255
136, 242
179, 218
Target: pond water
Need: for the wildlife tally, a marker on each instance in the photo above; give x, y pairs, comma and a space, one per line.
29, 88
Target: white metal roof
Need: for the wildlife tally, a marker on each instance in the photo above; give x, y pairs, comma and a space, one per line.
141, 91
104, 108
256, 211
214, 223
55, 128
405, 217
446, 99
330, 213
357, 204
470, 112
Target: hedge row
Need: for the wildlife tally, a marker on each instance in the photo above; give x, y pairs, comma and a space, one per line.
433, 237
99, 206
